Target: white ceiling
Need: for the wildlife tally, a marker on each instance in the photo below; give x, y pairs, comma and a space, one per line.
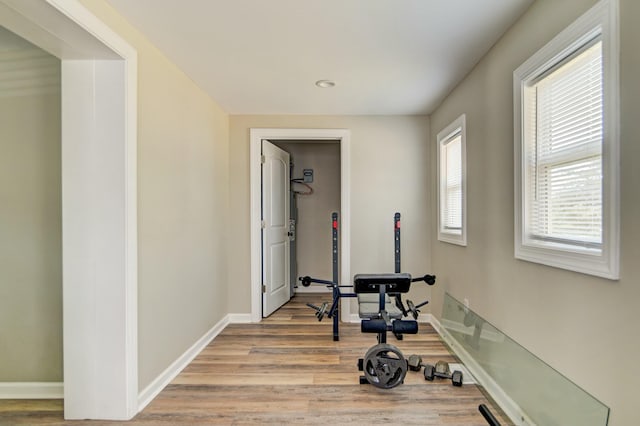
264, 56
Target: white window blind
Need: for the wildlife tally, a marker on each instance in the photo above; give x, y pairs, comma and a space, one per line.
451, 158
564, 151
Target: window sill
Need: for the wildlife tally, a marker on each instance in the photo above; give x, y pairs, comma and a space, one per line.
585, 261
457, 239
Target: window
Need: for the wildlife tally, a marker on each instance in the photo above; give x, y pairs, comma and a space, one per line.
566, 149
452, 183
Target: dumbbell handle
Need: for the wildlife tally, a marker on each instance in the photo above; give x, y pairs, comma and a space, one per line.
422, 304
307, 281
317, 308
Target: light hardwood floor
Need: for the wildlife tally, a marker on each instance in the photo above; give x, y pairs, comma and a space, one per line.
288, 370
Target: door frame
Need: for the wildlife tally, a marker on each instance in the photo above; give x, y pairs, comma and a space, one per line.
99, 203
343, 136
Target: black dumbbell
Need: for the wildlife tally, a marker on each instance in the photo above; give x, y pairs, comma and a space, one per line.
415, 362
441, 369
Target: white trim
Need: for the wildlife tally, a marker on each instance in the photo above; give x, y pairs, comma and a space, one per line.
443, 136
256, 136
80, 15
603, 15
508, 405
31, 390
239, 318
159, 383
314, 289
425, 318
166, 377
99, 256
351, 318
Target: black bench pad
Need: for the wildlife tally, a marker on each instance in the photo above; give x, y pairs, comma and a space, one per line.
370, 283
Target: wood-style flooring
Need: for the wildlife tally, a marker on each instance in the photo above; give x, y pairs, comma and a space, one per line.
288, 370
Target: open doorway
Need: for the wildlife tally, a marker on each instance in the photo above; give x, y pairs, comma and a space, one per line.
294, 139
30, 217
99, 203
314, 195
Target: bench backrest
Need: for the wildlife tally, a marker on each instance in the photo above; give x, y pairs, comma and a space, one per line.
370, 283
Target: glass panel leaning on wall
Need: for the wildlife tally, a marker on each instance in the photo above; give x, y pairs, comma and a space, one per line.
528, 390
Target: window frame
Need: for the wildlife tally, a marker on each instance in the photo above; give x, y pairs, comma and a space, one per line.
444, 136
600, 19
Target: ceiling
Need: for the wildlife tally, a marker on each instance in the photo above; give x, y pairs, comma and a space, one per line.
392, 57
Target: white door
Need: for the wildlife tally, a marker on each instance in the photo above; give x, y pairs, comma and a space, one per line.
275, 224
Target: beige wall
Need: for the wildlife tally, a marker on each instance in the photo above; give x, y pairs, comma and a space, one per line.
30, 215
577, 323
313, 228
182, 205
389, 172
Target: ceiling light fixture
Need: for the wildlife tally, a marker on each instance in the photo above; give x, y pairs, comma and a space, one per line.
325, 84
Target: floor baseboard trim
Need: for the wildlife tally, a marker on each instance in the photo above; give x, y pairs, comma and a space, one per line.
239, 318
31, 390
353, 318
155, 387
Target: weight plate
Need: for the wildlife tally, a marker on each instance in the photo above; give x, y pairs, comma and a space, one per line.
384, 366
321, 311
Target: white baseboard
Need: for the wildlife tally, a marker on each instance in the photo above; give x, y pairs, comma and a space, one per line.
508, 405
150, 392
352, 318
31, 390
314, 289
239, 318
425, 318
154, 388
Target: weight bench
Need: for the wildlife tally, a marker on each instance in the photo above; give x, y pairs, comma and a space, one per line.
384, 366
367, 288
378, 314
